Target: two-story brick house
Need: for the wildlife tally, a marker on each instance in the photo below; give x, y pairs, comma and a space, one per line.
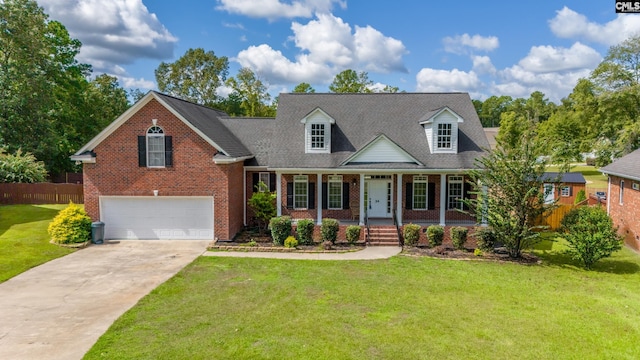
171, 169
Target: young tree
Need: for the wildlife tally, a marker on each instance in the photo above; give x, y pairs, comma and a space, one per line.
263, 204
350, 81
590, 234
194, 77
21, 168
509, 184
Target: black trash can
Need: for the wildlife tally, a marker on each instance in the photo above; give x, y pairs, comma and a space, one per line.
97, 232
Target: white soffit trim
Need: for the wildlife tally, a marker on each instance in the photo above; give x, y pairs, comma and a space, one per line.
322, 112
434, 116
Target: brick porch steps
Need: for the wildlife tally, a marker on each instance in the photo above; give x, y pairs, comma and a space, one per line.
383, 236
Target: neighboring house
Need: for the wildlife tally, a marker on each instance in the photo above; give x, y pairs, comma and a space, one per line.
623, 196
565, 188
168, 168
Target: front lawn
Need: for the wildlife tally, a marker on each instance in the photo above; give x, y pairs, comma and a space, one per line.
24, 241
401, 308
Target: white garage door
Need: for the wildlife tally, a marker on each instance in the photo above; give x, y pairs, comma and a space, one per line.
157, 217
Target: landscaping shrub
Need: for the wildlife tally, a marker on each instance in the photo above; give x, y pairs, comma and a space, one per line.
329, 230
411, 234
580, 197
290, 242
280, 228
263, 204
458, 236
485, 239
21, 168
304, 230
327, 245
353, 233
435, 235
71, 225
590, 234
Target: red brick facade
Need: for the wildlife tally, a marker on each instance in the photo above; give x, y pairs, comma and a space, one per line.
625, 215
116, 171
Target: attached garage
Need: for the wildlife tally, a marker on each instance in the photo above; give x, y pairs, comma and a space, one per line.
157, 217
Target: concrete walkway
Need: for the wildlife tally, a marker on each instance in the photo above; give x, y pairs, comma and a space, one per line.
368, 253
58, 310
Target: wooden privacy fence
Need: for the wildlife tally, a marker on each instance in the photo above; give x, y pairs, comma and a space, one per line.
553, 219
41, 193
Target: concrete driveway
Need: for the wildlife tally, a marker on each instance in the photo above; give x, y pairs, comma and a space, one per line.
59, 310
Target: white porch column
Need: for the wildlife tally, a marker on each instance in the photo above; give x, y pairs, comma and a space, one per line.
278, 193
319, 198
362, 204
485, 206
399, 199
443, 198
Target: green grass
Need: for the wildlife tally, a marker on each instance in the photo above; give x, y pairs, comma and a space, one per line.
594, 178
401, 308
24, 242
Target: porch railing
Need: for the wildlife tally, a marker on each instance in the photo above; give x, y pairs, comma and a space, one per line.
395, 222
367, 229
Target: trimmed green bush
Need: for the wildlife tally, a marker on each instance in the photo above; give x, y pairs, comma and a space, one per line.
485, 239
329, 230
458, 236
290, 242
71, 225
304, 229
580, 197
591, 235
280, 229
435, 235
21, 168
411, 234
353, 233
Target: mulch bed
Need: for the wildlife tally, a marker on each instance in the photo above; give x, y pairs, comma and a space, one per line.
448, 252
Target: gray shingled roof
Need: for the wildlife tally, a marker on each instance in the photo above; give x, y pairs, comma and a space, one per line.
627, 166
361, 117
256, 135
569, 177
207, 120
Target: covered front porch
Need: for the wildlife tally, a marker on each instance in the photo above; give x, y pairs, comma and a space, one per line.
375, 198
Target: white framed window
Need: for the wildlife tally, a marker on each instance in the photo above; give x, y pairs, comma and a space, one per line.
565, 191
318, 136
635, 185
444, 140
335, 192
264, 178
621, 192
155, 147
420, 192
454, 198
300, 192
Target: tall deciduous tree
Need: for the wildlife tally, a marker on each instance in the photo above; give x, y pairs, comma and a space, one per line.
252, 93
303, 87
350, 81
195, 76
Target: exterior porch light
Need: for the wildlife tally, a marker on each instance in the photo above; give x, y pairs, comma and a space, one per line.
354, 182
155, 192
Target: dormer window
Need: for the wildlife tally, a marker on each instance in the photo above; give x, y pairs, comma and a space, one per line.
441, 129
317, 132
318, 136
444, 136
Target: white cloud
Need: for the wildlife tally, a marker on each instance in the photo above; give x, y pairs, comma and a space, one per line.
542, 59
112, 32
130, 82
328, 45
434, 80
483, 65
275, 9
572, 25
517, 81
460, 44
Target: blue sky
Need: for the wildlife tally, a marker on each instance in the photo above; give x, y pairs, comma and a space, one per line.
481, 47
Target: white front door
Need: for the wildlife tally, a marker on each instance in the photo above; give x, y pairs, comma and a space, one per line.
379, 202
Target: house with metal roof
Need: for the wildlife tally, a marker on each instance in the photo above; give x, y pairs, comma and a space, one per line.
623, 196
171, 169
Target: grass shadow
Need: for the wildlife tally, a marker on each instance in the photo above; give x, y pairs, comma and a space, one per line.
11, 215
563, 260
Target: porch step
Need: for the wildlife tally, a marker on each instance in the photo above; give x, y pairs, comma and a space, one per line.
383, 236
